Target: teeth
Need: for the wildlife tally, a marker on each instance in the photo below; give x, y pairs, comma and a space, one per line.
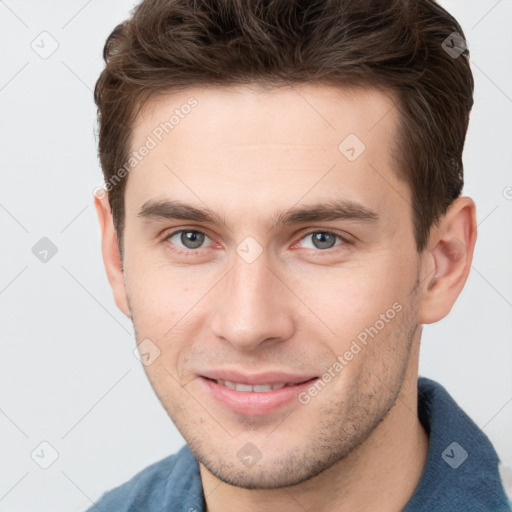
259, 388
243, 387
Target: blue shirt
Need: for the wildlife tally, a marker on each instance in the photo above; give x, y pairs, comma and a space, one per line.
460, 473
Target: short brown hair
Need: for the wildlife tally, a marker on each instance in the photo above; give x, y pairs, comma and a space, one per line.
395, 45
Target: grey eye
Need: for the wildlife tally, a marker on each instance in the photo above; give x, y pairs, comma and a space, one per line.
189, 239
322, 239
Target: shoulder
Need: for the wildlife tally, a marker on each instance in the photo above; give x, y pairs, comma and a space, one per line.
170, 481
461, 470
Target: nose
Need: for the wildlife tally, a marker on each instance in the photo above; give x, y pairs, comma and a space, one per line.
252, 306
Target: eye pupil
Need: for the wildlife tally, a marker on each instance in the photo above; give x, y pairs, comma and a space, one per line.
195, 238
321, 237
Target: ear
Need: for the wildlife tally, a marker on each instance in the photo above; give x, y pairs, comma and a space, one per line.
110, 251
448, 260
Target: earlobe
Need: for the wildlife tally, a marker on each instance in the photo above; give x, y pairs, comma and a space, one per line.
451, 251
111, 256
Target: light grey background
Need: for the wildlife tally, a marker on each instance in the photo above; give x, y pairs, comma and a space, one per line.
67, 369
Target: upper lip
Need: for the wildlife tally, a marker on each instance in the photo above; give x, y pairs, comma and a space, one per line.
257, 378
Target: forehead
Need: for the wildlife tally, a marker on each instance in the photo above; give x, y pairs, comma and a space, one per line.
248, 146
297, 115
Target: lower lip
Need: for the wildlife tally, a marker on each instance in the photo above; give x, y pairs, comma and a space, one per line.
254, 403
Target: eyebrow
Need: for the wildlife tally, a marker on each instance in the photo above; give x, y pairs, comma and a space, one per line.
318, 212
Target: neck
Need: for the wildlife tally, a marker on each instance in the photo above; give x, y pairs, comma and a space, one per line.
380, 474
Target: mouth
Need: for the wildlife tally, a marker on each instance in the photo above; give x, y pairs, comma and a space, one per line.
261, 399
257, 388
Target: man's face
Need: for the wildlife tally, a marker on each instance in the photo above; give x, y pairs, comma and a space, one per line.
242, 297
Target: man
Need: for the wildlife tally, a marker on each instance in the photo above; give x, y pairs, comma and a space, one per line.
283, 213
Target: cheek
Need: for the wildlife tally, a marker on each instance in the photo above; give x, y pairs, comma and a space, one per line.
157, 294
349, 299
166, 309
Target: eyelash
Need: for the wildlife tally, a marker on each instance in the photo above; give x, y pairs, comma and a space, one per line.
193, 252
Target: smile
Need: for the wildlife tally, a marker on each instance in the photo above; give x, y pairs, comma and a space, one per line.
254, 399
260, 388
